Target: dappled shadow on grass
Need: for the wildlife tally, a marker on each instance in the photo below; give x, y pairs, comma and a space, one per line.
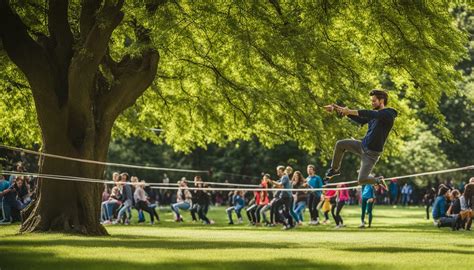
140, 242
24, 260
406, 250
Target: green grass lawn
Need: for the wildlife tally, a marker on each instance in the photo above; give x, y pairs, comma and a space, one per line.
400, 239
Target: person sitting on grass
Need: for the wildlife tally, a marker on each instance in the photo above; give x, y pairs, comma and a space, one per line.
454, 208
238, 203
183, 200
141, 202
105, 193
439, 205
109, 206
3, 186
12, 200
464, 219
252, 208
126, 189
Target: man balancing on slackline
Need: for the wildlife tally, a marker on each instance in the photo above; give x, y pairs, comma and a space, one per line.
380, 121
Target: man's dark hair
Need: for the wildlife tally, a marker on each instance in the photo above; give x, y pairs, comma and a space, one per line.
127, 177
380, 94
442, 190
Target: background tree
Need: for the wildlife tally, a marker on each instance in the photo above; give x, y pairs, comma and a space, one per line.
227, 70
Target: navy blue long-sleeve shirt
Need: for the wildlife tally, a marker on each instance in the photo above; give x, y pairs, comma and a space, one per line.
380, 123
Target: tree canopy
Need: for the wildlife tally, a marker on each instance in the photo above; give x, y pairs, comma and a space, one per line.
236, 69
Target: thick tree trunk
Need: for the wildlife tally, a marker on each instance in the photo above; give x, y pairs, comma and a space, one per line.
64, 205
76, 104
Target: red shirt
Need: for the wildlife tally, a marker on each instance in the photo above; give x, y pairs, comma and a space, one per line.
262, 195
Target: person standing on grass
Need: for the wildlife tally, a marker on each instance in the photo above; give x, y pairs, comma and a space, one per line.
342, 196
329, 200
276, 206
263, 198
194, 208
368, 200
406, 193
260, 200
285, 200
269, 206
428, 200
203, 201
183, 200
393, 191
238, 203
300, 197
314, 197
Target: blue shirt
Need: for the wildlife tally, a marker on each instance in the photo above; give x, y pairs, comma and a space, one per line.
285, 182
367, 192
393, 187
238, 201
439, 207
3, 185
11, 179
380, 123
315, 181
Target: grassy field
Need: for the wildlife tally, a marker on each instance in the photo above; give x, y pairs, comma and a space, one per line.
400, 239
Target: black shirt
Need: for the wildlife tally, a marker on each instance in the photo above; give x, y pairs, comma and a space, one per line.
455, 206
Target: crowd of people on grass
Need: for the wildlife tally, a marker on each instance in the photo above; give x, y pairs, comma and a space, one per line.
16, 192
284, 206
450, 206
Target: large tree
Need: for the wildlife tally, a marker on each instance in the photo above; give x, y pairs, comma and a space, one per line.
227, 70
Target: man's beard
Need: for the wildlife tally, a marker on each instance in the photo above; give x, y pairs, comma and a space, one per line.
376, 108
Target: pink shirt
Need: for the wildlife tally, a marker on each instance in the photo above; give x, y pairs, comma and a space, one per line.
343, 195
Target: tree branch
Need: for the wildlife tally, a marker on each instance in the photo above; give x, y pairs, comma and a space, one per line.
83, 70
133, 77
20, 47
62, 40
88, 16
58, 23
32, 60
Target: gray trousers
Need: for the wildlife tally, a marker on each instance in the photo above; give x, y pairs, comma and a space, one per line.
368, 159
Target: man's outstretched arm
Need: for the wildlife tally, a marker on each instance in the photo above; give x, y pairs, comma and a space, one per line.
352, 114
